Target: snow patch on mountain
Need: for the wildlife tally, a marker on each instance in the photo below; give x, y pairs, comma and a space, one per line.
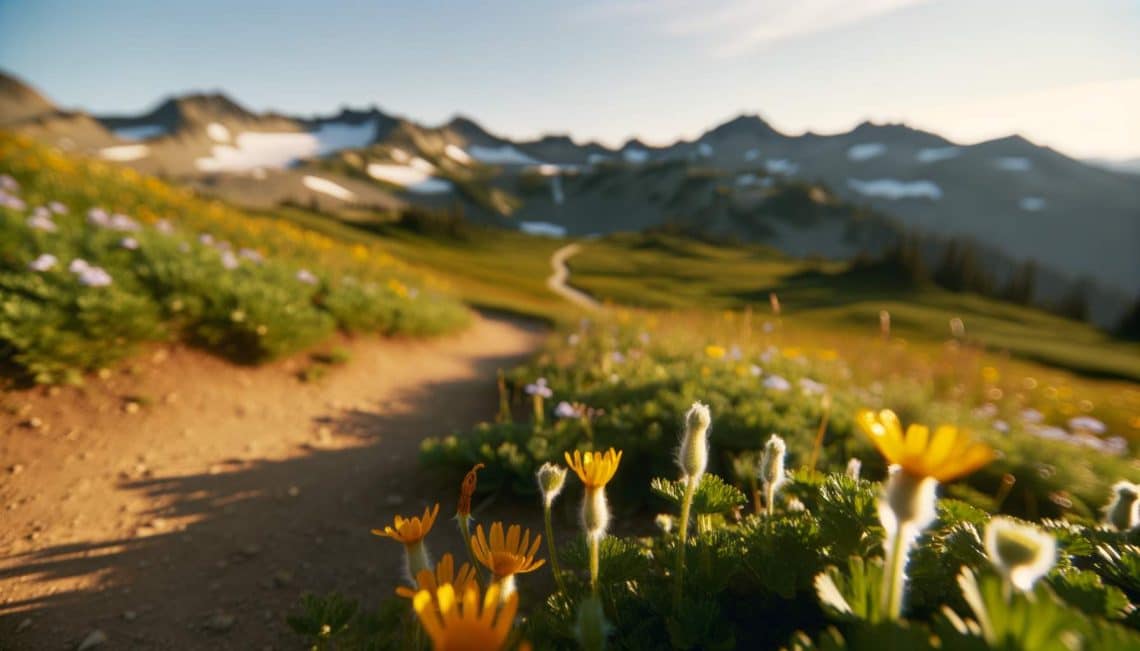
457, 154
1031, 204
251, 150
501, 155
410, 178
325, 186
781, 166
935, 154
635, 156
218, 132
752, 154
596, 158
542, 228
422, 165
896, 189
866, 151
140, 131
705, 149
1013, 164
124, 153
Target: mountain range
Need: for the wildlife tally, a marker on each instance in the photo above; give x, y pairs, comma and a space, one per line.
832, 195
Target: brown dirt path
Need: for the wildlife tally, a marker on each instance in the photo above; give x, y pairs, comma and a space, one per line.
228, 491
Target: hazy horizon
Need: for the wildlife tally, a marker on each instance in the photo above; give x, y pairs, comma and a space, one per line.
614, 71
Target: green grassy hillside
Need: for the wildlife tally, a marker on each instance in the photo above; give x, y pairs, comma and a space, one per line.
95, 259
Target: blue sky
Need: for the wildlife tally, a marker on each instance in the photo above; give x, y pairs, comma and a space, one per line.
1065, 74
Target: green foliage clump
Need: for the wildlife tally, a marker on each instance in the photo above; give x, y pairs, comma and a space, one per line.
630, 388
168, 266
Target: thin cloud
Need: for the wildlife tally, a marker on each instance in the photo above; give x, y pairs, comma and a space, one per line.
734, 28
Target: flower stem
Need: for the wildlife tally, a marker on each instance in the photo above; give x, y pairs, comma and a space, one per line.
896, 573
595, 544
818, 445
686, 506
504, 415
465, 531
417, 558
554, 569
770, 499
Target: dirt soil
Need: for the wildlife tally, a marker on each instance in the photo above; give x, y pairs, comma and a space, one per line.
187, 503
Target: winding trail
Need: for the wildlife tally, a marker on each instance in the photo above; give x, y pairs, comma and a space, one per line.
557, 280
186, 503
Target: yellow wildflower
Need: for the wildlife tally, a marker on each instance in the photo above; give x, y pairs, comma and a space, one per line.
444, 574
595, 469
946, 455
506, 555
455, 622
410, 530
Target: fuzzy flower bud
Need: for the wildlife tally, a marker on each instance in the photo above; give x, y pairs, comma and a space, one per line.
694, 454
909, 502
467, 491
772, 470
1123, 512
854, 468
551, 477
1021, 552
772, 463
595, 513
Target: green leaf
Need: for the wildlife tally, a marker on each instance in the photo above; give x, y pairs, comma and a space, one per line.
713, 495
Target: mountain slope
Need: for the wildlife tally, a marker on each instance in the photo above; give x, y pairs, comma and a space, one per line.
1031, 201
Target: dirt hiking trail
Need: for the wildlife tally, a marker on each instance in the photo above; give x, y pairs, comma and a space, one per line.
186, 503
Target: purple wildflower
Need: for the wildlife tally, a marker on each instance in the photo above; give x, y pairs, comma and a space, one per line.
229, 260
566, 410
44, 262
129, 243
1087, 424
812, 387
57, 208
307, 277
539, 388
11, 201
98, 217
164, 226
8, 183
776, 383
120, 222
94, 277
42, 223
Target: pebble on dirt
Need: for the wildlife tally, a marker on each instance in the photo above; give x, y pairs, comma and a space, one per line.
94, 639
219, 622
